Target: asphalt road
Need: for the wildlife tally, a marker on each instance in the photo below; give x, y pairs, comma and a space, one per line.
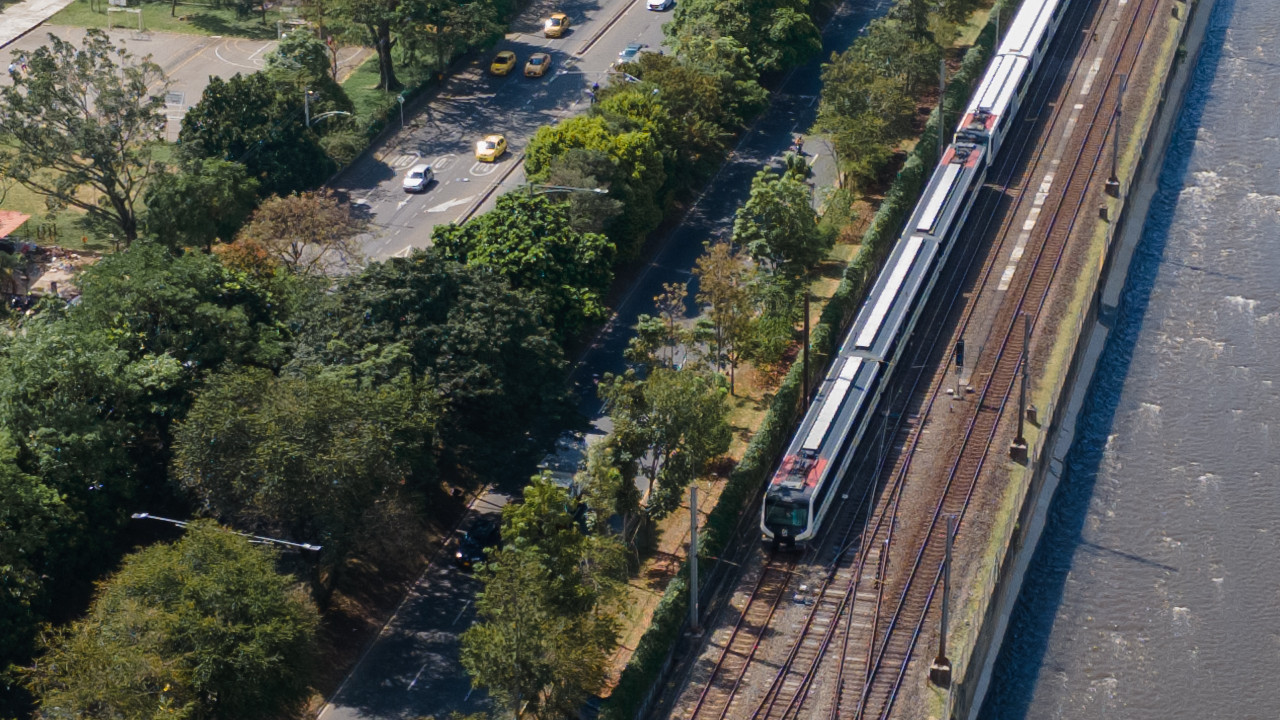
472, 104
412, 669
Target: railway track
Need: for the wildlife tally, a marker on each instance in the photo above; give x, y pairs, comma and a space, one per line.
1025, 303
849, 603
735, 658
852, 656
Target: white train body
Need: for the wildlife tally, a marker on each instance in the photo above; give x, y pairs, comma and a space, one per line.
800, 492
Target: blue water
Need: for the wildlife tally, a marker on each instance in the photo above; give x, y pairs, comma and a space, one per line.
1155, 591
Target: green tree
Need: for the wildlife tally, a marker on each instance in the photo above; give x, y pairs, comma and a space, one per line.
530, 240
638, 180
205, 201
184, 305
780, 33
202, 628
81, 126
303, 62
302, 458
670, 425
485, 345
589, 212
376, 17
724, 288
311, 233
779, 226
31, 515
547, 626
608, 489
258, 121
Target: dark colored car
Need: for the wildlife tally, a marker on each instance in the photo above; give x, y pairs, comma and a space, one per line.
482, 536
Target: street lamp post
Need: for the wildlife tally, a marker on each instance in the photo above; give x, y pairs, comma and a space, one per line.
257, 539
539, 189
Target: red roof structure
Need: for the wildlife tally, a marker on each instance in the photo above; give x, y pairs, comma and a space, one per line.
10, 221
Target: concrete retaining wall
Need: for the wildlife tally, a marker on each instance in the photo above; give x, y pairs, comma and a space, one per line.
976, 653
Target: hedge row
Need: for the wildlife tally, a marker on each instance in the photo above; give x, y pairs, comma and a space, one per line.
747, 479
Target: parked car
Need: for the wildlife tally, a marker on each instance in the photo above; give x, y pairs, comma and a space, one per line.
471, 548
659, 4
418, 178
556, 25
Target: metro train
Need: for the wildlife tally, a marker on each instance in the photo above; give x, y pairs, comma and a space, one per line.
807, 480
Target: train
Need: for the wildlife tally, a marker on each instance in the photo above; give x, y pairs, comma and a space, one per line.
800, 492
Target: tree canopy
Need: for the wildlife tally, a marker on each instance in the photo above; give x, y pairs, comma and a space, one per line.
81, 125
485, 346
310, 233
204, 201
779, 226
670, 425
547, 622
253, 120
530, 240
201, 628
306, 458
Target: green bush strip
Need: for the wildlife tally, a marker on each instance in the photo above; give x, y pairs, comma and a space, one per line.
747, 479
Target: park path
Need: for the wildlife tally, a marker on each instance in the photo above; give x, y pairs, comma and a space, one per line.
21, 18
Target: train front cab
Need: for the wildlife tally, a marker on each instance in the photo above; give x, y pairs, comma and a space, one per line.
787, 515
786, 520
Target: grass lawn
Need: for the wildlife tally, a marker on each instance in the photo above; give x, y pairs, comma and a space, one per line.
190, 19
64, 229
362, 87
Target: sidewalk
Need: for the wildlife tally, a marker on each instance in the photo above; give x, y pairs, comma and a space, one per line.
21, 18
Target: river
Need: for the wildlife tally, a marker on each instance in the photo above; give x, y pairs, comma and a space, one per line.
1155, 590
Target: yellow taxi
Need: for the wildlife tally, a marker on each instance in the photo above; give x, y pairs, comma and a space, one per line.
503, 63
491, 148
537, 65
554, 26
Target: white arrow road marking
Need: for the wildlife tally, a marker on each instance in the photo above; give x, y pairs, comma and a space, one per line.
405, 160
450, 204
406, 251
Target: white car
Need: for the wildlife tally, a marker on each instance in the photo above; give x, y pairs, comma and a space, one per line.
418, 178
659, 4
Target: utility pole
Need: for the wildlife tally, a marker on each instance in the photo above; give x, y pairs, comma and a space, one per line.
959, 367
693, 559
1018, 450
306, 105
1113, 183
940, 671
804, 364
942, 107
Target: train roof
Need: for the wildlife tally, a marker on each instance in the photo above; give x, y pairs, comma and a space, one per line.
1028, 27
826, 426
998, 85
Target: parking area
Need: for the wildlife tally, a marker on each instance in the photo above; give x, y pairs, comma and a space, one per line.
188, 60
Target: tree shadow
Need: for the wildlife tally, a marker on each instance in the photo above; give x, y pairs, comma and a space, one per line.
251, 27
1022, 654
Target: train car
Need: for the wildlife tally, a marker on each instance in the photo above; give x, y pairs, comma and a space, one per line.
1005, 83
800, 492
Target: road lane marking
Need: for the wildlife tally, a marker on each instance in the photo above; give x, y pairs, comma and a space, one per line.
447, 204
461, 612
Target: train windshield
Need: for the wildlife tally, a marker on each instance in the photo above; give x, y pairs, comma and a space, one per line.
785, 514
